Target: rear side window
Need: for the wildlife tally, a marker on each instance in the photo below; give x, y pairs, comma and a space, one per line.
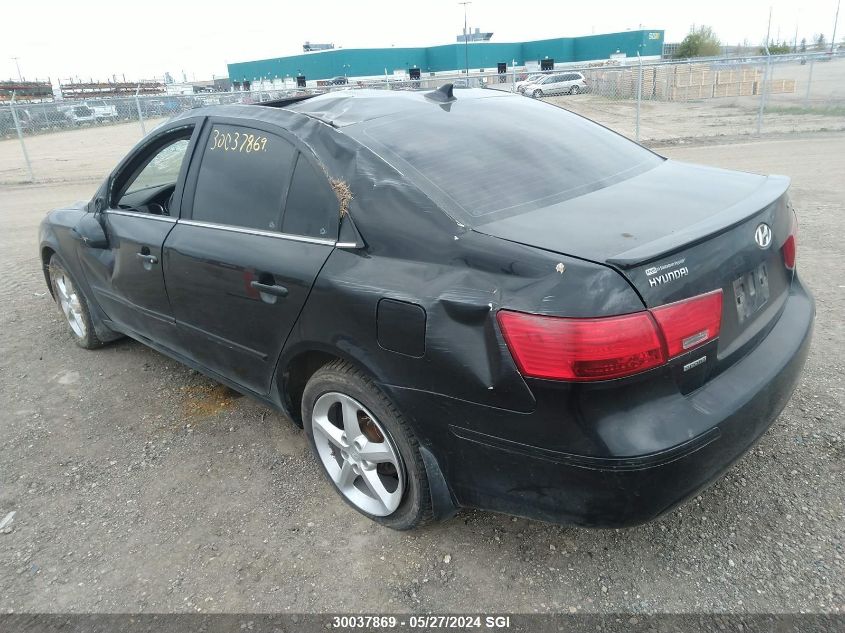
312, 208
243, 178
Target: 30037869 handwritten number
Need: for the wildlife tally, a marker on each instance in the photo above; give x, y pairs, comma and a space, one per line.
242, 143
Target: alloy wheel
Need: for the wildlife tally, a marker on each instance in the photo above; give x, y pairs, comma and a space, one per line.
69, 301
358, 454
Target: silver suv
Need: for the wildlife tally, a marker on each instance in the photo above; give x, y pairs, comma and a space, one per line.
557, 84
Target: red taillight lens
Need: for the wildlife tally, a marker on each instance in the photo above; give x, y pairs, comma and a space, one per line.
690, 323
582, 349
790, 246
558, 348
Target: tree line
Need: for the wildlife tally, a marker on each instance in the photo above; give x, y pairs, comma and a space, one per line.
702, 41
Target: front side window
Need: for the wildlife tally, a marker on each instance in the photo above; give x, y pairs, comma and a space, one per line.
243, 178
147, 183
162, 169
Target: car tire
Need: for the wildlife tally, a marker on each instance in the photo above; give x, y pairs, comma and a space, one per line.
72, 304
574, 90
332, 393
537, 94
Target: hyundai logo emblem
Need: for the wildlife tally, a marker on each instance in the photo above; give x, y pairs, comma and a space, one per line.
763, 235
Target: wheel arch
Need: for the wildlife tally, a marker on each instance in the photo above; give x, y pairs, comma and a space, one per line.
50, 247
293, 373
296, 367
47, 252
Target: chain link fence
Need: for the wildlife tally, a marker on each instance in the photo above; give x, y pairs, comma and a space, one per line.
652, 102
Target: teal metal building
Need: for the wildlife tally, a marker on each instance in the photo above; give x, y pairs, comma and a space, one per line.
370, 62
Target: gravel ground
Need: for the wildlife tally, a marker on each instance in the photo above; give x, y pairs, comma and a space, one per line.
139, 485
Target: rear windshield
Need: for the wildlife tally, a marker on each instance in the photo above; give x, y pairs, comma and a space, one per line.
496, 157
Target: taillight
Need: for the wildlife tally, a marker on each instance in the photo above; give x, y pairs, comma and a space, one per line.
790, 246
689, 323
582, 349
558, 348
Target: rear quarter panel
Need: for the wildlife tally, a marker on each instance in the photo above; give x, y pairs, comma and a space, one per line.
461, 284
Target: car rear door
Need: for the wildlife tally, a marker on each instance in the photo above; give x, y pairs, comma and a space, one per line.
126, 276
259, 222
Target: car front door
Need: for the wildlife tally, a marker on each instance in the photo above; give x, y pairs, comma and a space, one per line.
142, 206
558, 84
262, 222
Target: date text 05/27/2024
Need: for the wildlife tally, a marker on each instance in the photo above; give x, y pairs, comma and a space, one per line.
425, 622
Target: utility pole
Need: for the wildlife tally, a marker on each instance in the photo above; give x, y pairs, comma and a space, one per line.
466, 41
768, 30
835, 20
18, 66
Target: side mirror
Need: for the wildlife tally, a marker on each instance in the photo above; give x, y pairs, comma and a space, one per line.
91, 232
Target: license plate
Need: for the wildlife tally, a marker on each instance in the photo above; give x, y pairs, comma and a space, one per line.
751, 292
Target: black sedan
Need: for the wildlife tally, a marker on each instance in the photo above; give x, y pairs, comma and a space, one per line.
467, 299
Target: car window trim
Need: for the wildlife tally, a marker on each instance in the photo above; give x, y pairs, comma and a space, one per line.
135, 214
240, 229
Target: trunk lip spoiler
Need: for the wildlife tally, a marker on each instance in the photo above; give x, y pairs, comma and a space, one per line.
769, 192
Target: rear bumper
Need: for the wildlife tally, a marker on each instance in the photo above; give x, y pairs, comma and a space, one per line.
722, 420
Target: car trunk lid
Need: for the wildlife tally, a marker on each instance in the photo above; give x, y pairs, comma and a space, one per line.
675, 232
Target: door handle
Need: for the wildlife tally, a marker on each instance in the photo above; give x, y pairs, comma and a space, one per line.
148, 259
270, 289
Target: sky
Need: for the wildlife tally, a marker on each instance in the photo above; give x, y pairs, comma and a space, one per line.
142, 40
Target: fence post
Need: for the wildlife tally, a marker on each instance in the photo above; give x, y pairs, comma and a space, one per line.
639, 92
140, 114
763, 92
20, 137
809, 82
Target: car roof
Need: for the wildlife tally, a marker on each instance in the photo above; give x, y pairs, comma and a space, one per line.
346, 107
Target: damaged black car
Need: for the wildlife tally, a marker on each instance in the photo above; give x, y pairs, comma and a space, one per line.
467, 299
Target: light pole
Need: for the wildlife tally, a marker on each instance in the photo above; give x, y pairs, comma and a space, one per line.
768, 31
18, 66
466, 40
833, 37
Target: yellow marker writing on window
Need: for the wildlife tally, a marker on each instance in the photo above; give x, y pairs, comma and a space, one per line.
240, 142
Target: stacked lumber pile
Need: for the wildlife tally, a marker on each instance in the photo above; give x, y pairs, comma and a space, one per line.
684, 82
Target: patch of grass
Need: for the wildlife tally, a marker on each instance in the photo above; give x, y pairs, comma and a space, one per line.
834, 110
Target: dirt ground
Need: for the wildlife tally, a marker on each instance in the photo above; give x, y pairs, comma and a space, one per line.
662, 122
139, 485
